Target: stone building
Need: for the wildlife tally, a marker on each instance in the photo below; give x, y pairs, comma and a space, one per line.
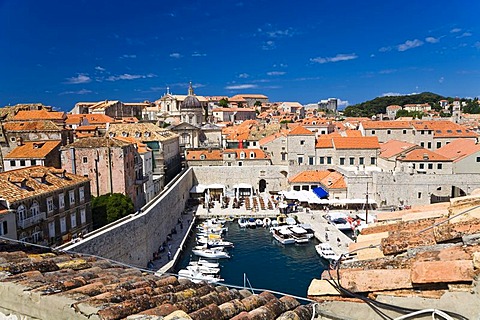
330, 181
233, 114
249, 98
301, 147
275, 146
112, 108
110, 164
43, 153
227, 157
50, 205
163, 143
347, 151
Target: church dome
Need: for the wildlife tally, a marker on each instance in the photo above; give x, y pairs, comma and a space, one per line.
191, 102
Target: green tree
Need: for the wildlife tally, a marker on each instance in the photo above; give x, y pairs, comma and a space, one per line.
223, 103
110, 207
258, 103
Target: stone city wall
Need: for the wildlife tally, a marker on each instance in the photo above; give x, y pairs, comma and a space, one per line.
133, 239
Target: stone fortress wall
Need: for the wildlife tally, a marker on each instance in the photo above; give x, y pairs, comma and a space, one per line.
133, 239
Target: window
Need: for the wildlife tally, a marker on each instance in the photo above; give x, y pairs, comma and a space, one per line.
296, 188
300, 159
85, 159
311, 161
22, 163
50, 204
321, 160
81, 194
284, 156
329, 160
389, 131
33, 162
12, 163
429, 145
63, 225
421, 166
252, 155
373, 131
373, 160
21, 213
361, 161
61, 200
83, 216
240, 163
302, 142
73, 220
342, 161
242, 155
35, 209
430, 166
422, 132
202, 157
439, 145
419, 195
404, 131
439, 166
71, 196
478, 159
422, 144
3, 228
352, 161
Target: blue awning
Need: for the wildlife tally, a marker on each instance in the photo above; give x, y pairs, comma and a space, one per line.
320, 192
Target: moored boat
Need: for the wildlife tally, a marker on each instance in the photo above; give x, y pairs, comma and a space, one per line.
259, 222
242, 222
282, 235
251, 223
267, 222
325, 251
299, 234
197, 277
213, 253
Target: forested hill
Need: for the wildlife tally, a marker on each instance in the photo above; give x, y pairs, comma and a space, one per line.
379, 104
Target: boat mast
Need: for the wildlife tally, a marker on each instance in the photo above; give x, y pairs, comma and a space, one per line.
366, 206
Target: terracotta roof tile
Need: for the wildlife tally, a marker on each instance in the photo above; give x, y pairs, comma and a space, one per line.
395, 147
422, 154
395, 124
329, 178
44, 125
300, 130
117, 292
29, 115
355, 143
34, 150
458, 149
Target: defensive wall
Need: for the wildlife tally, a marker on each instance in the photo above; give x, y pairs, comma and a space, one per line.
133, 239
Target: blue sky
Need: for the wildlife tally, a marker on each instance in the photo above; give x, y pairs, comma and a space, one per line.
62, 52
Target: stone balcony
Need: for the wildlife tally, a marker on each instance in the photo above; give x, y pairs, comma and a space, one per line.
28, 222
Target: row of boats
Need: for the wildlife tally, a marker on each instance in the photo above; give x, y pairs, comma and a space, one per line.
210, 247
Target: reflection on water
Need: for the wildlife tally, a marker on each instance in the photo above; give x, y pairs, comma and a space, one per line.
267, 263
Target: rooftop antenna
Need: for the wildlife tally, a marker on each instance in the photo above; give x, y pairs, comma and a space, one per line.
168, 90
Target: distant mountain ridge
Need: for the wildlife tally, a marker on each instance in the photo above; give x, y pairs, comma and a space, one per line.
379, 104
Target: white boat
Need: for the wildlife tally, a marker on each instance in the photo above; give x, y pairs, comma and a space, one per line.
203, 269
205, 263
214, 243
325, 251
242, 222
274, 223
299, 234
197, 277
259, 222
340, 220
308, 228
282, 235
267, 222
251, 223
213, 253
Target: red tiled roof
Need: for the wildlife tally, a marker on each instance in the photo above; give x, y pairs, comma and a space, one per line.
459, 149
328, 178
27, 115
395, 147
45, 125
369, 125
356, 143
422, 154
300, 131
33, 149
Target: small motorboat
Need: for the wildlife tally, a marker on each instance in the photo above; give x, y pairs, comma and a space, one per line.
214, 243
281, 219
267, 222
205, 263
325, 251
252, 223
211, 253
274, 223
197, 277
259, 222
203, 269
299, 234
291, 221
242, 222
282, 234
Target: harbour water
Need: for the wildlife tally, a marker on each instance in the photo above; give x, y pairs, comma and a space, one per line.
268, 265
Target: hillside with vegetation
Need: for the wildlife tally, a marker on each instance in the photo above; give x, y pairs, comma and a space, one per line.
379, 104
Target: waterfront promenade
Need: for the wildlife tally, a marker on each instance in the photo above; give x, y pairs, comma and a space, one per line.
314, 218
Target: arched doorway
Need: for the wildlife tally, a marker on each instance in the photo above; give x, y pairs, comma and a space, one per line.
262, 185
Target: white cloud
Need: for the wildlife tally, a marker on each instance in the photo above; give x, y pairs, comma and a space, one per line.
268, 45
128, 56
241, 86
280, 33
409, 44
385, 49
337, 58
441, 79
387, 71
82, 91
98, 68
455, 30
80, 78
127, 76
175, 55
196, 54
341, 104
280, 65
394, 94
465, 34
276, 73
432, 39
243, 75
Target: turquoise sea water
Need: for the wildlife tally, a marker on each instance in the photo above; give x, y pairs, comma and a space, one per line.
267, 264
